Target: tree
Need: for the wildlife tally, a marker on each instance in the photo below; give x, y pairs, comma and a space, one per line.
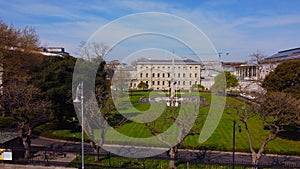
182, 117
197, 87
276, 110
54, 78
19, 98
231, 80
285, 78
255, 59
142, 85
12, 38
219, 83
90, 64
24, 103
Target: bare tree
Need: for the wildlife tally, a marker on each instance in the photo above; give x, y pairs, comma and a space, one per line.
12, 38
95, 122
24, 104
93, 50
183, 123
276, 109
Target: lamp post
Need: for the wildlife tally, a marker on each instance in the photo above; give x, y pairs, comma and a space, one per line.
233, 140
79, 92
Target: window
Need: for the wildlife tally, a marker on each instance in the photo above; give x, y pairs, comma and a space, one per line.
153, 74
183, 75
178, 74
153, 83
168, 74
146, 82
158, 74
178, 82
190, 82
163, 83
190, 74
196, 67
158, 83
146, 74
163, 75
196, 74
141, 75
183, 82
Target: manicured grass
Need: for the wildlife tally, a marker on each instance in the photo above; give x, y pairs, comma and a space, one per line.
221, 139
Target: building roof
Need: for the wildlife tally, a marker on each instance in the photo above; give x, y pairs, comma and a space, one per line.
54, 51
232, 64
169, 62
284, 55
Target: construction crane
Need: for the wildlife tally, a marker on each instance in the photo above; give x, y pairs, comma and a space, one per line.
219, 54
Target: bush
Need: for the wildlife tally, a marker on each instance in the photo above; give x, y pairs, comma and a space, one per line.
6, 121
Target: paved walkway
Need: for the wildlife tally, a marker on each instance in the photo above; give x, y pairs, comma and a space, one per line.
16, 166
208, 157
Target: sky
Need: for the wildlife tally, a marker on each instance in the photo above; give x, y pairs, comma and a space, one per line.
237, 27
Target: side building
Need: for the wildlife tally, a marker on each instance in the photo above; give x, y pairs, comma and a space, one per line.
270, 63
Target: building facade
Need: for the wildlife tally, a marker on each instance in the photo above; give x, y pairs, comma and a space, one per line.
159, 74
270, 63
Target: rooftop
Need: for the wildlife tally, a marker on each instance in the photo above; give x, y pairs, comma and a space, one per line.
283, 55
169, 62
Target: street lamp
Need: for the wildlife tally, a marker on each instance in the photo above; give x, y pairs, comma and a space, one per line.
233, 140
79, 93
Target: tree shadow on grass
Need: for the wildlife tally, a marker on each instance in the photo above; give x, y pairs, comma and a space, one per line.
290, 133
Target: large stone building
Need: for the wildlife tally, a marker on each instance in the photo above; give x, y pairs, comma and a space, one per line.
186, 72
270, 63
158, 74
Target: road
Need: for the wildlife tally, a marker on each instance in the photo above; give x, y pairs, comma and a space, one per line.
41, 144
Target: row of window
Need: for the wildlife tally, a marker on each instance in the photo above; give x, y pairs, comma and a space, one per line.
168, 75
163, 83
163, 67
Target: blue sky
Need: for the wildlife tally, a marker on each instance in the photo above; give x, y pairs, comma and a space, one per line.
234, 26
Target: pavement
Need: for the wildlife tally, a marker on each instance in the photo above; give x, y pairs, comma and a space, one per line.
70, 149
16, 166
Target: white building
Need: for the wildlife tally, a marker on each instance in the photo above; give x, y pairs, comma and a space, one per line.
158, 74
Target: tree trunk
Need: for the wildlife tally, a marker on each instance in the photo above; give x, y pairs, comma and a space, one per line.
255, 159
172, 155
96, 150
26, 143
25, 133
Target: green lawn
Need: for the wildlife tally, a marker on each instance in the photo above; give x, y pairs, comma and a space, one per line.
220, 140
